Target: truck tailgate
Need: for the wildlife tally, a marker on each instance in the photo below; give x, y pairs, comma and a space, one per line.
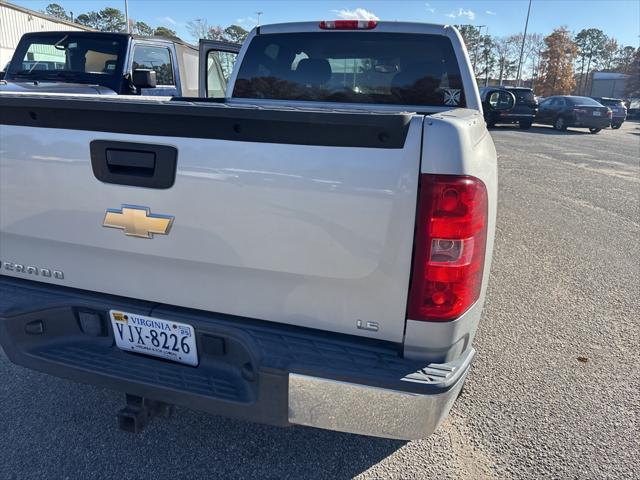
298, 217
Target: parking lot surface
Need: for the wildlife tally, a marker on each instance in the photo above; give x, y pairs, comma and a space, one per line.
554, 392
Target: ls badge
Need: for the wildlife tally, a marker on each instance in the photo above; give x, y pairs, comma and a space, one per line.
137, 221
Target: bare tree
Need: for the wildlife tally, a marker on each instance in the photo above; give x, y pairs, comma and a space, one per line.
606, 56
506, 51
624, 59
216, 33
198, 28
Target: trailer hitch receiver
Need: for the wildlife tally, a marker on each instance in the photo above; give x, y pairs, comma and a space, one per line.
140, 411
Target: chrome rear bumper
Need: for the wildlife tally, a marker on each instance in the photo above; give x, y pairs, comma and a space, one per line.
248, 369
379, 412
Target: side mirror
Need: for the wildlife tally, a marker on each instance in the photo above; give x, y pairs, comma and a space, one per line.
501, 100
144, 78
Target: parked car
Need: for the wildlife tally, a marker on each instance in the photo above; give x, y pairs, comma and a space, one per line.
564, 111
313, 249
618, 110
102, 63
633, 108
523, 113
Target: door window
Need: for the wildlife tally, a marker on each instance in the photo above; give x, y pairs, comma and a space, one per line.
157, 59
219, 69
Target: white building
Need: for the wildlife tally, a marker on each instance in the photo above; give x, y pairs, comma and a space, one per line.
609, 84
16, 21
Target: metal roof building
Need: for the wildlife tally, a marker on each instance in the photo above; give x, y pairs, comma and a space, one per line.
609, 84
16, 21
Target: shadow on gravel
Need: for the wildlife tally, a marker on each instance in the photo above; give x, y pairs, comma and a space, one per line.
74, 431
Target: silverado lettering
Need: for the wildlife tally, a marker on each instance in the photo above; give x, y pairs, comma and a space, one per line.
32, 270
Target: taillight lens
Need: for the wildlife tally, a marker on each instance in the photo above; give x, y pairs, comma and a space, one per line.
609, 113
348, 24
451, 236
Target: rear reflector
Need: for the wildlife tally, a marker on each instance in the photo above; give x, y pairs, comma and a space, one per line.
348, 24
451, 235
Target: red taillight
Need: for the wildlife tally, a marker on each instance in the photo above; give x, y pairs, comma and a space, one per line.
450, 240
348, 24
609, 113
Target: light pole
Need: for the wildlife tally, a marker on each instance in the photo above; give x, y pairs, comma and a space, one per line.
524, 38
126, 14
258, 14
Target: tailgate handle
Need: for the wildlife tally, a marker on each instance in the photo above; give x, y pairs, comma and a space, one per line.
131, 162
134, 164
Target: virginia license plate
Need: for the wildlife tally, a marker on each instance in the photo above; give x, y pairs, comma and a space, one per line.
154, 336
597, 114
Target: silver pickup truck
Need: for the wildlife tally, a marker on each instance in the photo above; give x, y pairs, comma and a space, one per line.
313, 249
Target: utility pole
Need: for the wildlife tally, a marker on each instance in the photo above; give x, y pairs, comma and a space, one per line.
524, 38
126, 14
258, 14
486, 60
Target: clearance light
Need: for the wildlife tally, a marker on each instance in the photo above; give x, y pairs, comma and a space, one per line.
348, 24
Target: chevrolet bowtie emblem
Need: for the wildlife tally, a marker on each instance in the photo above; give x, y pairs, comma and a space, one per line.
137, 221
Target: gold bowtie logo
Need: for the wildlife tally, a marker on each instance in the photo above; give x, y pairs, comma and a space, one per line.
138, 221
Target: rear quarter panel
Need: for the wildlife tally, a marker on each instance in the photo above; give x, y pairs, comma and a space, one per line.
456, 143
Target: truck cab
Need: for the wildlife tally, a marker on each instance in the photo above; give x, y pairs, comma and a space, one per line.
102, 63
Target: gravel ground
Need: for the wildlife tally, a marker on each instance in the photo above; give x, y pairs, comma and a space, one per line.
554, 392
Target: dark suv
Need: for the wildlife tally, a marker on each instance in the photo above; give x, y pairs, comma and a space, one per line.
618, 110
523, 112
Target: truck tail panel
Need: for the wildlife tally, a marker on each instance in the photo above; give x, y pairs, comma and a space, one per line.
305, 218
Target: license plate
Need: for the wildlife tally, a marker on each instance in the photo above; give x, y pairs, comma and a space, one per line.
597, 114
154, 336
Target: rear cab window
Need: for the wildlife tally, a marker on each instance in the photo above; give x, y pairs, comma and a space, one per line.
157, 59
352, 67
